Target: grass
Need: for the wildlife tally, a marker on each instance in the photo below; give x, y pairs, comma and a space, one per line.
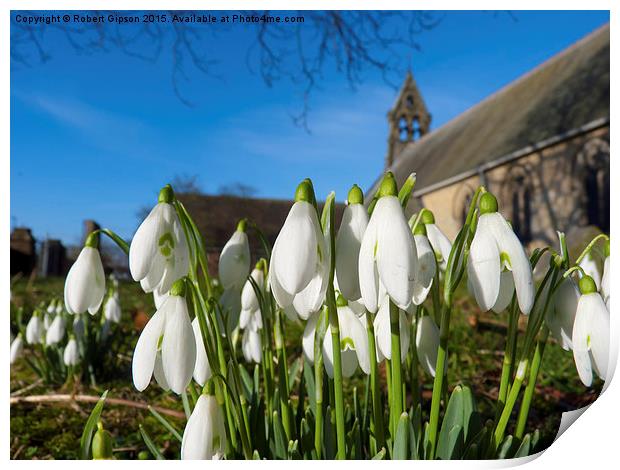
44, 431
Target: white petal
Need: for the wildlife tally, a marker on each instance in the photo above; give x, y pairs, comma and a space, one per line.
71, 355
396, 252
112, 309
581, 338
599, 336
251, 346
307, 341
144, 245
158, 373
85, 283
560, 316
310, 299
427, 344
483, 266
17, 347
202, 369
508, 243
201, 429
348, 243
249, 301
383, 332
368, 272
56, 331
283, 298
605, 287
426, 269
234, 262
230, 301
352, 327
295, 253
146, 349
178, 349
440, 243
506, 290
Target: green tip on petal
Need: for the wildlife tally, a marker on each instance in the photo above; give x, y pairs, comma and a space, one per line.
356, 196
341, 301
305, 192
92, 240
587, 285
428, 217
166, 194
388, 185
420, 229
607, 248
178, 288
241, 226
488, 203
209, 388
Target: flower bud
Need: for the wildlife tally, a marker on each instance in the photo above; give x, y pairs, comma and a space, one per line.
488, 203
102, 444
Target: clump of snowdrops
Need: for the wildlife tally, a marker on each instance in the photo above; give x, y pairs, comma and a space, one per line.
61, 344
376, 291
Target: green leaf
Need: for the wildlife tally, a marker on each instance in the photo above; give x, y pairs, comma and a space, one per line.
166, 424
504, 451
535, 441
293, 372
186, 407
90, 427
309, 383
247, 384
255, 455
406, 190
415, 434
451, 448
293, 451
461, 412
401, 442
380, 455
524, 448
329, 433
151, 445
279, 436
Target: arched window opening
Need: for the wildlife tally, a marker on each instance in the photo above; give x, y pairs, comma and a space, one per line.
403, 129
597, 197
522, 209
409, 101
416, 131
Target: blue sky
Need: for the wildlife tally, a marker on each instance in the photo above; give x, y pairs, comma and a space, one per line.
96, 136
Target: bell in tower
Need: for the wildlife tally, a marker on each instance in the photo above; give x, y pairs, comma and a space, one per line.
409, 120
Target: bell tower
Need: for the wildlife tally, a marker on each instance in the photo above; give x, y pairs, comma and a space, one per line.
409, 120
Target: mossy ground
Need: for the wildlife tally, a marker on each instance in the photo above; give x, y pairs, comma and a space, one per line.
44, 431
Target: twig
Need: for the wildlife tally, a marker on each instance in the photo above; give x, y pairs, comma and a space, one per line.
93, 399
26, 388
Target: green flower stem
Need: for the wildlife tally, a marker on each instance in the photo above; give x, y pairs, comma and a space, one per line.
531, 383
283, 376
588, 248
377, 403
498, 435
508, 363
442, 353
397, 381
415, 377
338, 396
319, 374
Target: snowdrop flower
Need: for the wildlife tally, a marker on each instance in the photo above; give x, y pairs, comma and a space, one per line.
234, 263
251, 345
383, 332
85, 283
56, 331
591, 333
230, 301
299, 267
388, 256
426, 265
440, 243
427, 343
51, 308
168, 332
496, 248
47, 320
348, 243
353, 343
202, 369
17, 347
250, 307
158, 298
35, 330
204, 437
59, 307
71, 356
590, 267
159, 254
112, 309
560, 316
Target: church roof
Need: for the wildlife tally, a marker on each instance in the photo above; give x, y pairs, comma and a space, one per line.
564, 93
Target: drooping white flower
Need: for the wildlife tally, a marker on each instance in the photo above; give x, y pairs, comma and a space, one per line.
71, 355
426, 267
85, 283
561, 312
250, 307
307, 341
383, 332
590, 267
158, 298
35, 331
202, 369
159, 253
204, 437
388, 254
591, 333
17, 347
496, 248
48, 318
230, 301
51, 308
251, 345
299, 266
427, 343
56, 331
112, 308
234, 263
348, 243
438, 240
170, 332
354, 348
